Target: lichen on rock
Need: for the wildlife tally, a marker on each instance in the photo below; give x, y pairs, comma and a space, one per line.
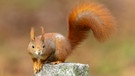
64, 69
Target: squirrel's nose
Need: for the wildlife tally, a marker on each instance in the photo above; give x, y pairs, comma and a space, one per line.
38, 52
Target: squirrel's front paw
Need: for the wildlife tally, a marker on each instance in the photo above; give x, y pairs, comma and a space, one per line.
37, 68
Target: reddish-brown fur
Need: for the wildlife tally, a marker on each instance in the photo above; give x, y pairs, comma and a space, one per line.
87, 17
57, 48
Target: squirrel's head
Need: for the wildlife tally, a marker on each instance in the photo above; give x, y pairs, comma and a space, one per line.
37, 45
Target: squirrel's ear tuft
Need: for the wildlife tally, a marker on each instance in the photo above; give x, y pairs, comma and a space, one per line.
32, 34
42, 33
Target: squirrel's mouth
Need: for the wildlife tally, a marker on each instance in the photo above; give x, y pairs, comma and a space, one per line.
40, 55
37, 54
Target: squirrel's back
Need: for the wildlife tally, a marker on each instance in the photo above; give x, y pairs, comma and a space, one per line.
61, 43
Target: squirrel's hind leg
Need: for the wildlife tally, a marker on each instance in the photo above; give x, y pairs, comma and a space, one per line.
56, 62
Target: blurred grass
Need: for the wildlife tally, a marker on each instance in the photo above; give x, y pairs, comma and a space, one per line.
116, 57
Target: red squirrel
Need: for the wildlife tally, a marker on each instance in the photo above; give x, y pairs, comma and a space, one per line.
55, 48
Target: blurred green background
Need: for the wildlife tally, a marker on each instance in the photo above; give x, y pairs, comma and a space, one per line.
115, 57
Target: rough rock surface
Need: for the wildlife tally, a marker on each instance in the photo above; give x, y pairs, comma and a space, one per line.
64, 69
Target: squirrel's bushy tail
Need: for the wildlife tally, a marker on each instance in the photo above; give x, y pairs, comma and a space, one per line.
92, 16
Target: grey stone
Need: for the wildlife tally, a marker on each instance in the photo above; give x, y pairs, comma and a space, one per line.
64, 69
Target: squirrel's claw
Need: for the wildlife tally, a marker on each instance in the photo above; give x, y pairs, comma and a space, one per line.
35, 70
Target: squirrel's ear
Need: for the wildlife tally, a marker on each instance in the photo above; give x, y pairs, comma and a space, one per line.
32, 34
42, 33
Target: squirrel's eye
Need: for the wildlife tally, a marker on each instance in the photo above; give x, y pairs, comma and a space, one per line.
43, 46
32, 46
